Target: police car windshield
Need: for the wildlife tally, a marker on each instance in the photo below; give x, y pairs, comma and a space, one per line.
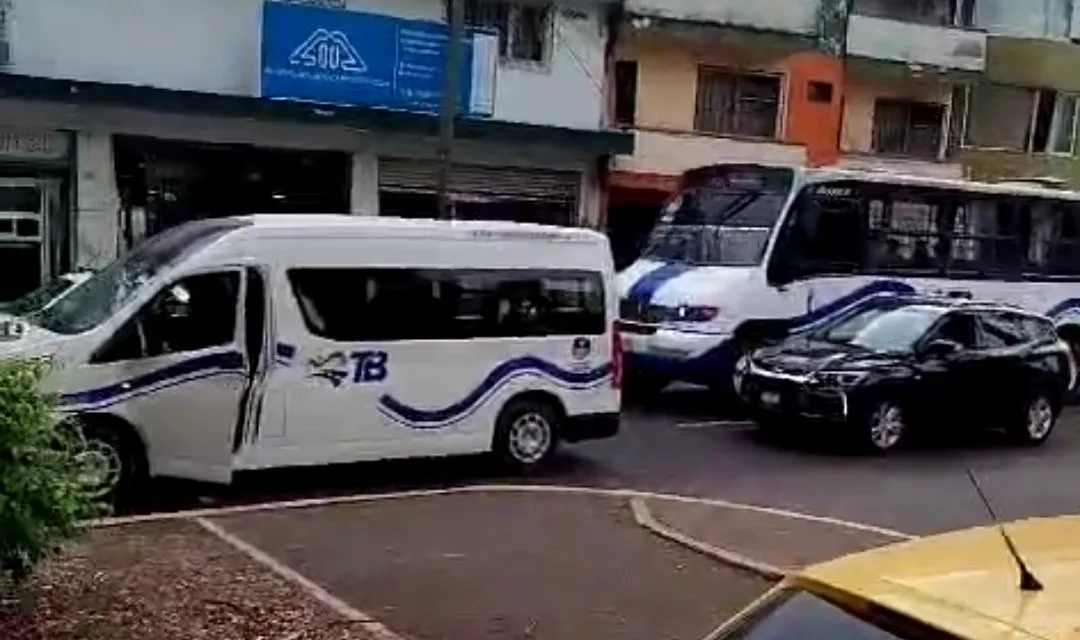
112, 288
722, 216
801, 615
893, 327
38, 298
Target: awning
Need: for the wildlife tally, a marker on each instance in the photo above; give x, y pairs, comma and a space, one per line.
80, 92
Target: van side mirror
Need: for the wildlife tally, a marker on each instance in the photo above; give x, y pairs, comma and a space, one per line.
174, 303
942, 347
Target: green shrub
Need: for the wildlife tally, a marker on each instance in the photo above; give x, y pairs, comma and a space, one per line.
42, 503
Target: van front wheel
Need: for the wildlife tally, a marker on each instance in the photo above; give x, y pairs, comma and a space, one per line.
526, 433
111, 462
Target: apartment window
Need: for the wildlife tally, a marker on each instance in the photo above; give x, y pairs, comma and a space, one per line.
524, 28
821, 92
1053, 123
949, 13
737, 104
626, 84
908, 128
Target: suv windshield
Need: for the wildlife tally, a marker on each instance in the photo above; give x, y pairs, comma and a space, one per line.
723, 216
110, 289
888, 328
37, 298
801, 615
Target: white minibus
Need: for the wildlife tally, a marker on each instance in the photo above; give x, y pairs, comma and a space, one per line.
265, 341
745, 253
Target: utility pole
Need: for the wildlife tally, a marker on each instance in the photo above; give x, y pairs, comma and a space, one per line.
449, 111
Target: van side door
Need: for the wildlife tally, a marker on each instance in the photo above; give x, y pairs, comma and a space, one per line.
178, 371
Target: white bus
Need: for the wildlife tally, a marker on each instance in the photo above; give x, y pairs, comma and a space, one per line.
266, 341
747, 252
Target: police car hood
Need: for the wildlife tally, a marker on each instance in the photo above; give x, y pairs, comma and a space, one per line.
32, 343
674, 284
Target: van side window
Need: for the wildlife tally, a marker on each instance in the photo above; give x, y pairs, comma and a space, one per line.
360, 305
198, 312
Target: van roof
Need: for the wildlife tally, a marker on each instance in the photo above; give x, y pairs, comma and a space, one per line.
966, 583
1030, 188
391, 224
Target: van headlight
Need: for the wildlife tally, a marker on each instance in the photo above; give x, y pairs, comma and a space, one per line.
695, 313
839, 379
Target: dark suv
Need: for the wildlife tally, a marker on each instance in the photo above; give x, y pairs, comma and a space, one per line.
880, 372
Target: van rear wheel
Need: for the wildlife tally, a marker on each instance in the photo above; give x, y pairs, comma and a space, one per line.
527, 433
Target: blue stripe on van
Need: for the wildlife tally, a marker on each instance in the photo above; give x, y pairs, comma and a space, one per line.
499, 377
1064, 307
645, 288
859, 299
214, 364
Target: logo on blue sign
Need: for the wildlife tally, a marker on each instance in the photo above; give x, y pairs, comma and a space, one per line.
329, 51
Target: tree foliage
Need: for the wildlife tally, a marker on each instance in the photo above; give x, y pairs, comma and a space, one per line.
42, 501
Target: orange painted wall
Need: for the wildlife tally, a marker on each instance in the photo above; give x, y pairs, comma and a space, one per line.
814, 124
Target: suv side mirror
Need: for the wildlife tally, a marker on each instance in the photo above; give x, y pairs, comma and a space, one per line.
942, 347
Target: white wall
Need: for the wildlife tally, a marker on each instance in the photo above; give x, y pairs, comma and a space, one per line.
794, 16
1026, 18
885, 39
213, 46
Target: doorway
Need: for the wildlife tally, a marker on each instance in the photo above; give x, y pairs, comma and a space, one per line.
30, 251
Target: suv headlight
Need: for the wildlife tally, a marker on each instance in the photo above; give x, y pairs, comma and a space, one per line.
742, 365
841, 379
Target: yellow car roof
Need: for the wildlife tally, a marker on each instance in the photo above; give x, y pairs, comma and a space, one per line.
966, 582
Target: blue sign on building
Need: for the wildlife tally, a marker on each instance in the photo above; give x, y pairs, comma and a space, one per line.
311, 54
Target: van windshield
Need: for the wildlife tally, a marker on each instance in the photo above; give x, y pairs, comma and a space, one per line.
112, 288
723, 216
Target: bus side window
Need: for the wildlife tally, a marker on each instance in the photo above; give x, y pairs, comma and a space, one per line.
824, 236
907, 230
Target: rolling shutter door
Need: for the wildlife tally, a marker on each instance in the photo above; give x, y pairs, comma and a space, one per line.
421, 176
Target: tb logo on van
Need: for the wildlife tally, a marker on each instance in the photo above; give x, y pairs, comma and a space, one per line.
357, 367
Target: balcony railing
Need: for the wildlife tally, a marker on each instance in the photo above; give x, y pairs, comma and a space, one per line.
920, 44
670, 153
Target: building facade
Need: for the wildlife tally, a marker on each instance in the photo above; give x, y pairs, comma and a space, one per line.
699, 82
122, 117
953, 88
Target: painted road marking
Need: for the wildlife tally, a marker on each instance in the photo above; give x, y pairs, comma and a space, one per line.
493, 488
338, 606
710, 424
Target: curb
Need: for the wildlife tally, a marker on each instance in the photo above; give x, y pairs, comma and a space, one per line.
492, 488
644, 517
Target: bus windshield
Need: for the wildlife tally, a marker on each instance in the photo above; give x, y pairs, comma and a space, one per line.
723, 216
109, 290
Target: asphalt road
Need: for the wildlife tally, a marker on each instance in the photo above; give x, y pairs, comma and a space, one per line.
677, 446
504, 567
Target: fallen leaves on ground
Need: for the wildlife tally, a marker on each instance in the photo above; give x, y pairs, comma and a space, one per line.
165, 581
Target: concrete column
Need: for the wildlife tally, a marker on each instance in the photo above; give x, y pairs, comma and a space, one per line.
98, 202
364, 195
589, 200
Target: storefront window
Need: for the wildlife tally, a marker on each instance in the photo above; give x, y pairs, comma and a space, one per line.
166, 183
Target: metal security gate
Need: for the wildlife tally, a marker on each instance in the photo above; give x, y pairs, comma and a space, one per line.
471, 183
